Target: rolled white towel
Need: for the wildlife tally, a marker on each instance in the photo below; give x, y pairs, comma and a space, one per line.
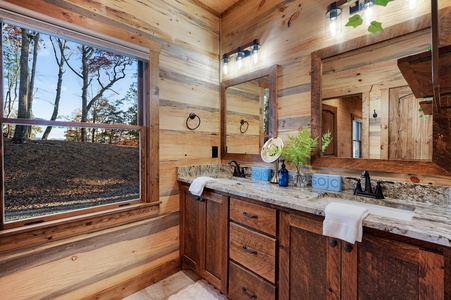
344, 221
197, 186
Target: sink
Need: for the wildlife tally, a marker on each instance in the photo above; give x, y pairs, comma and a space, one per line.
404, 214
227, 181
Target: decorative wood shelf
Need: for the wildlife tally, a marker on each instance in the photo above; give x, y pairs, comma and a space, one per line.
417, 71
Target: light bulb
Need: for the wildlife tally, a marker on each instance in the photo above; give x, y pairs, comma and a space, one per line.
239, 63
225, 68
412, 4
369, 11
333, 27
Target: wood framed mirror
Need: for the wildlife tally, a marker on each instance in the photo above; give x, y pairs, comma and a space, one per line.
248, 114
438, 162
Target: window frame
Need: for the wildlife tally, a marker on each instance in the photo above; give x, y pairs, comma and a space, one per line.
148, 68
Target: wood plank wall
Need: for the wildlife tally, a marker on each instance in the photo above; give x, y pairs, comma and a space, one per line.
289, 31
112, 263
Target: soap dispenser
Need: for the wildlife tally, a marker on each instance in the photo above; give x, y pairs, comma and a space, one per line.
283, 175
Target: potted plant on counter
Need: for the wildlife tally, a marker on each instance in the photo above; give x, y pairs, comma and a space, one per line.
299, 149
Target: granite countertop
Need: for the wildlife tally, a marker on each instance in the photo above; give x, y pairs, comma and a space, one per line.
431, 221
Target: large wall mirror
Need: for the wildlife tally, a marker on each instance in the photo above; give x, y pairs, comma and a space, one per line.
360, 95
248, 114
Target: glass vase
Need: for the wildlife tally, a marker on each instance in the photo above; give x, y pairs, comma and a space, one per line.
302, 176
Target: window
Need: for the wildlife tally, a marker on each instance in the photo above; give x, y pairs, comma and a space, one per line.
72, 124
356, 138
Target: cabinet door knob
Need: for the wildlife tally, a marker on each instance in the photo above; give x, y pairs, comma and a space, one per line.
249, 215
348, 247
251, 296
249, 251
333, 243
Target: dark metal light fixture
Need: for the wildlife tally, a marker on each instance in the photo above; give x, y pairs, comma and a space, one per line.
242, 52
333, 16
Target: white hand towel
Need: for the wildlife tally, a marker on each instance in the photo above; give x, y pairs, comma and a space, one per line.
344, 221
197, 186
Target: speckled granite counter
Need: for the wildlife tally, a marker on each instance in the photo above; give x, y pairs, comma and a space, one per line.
431, 222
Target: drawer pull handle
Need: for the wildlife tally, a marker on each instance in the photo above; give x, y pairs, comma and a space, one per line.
251, 296
348, 248
333, 243
249, 251
249, 215
200, 199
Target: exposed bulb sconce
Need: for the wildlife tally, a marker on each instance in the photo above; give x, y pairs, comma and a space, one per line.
369, 11
249, 49
255, 48
375, 114
225, 67
333, 17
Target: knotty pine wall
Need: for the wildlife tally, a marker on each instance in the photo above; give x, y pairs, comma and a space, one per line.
112, 263
289, 31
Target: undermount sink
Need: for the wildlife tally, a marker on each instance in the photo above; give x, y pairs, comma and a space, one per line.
227, 181
404, 214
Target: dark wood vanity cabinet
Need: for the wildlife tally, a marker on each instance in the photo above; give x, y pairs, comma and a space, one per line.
313, 266
252, 251
203, 236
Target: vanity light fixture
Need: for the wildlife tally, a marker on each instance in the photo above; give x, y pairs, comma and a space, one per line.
249, 49
333, 17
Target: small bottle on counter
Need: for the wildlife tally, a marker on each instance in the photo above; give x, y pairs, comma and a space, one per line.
283, 175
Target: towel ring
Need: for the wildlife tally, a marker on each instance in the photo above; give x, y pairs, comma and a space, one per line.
242, 122
192, 116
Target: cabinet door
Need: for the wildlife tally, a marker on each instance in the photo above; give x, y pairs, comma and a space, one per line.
189, 230
309, 267
395, 270
213, 238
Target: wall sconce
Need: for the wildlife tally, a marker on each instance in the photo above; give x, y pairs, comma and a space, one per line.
367, 6
333, 18
249, 49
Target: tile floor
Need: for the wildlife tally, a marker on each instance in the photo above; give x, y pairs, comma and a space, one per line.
165, 288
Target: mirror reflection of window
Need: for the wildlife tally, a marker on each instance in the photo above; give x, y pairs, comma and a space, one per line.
337, 116
356, 138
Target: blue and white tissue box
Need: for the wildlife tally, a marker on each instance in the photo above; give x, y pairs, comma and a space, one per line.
261, 173
327, 182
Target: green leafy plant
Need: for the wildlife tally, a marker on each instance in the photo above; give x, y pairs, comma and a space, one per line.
274, 150
375, 26
300, 148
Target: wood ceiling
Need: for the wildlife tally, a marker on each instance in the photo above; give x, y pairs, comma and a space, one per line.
218, 7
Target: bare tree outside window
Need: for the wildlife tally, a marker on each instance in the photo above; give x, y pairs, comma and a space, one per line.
71, 129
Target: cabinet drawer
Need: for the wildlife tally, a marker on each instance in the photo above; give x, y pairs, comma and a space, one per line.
253, 250
245, 285
257, 216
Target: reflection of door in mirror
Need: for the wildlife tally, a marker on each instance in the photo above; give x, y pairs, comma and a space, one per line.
248, 101
329, 124
410, 131
338, 115
368, 79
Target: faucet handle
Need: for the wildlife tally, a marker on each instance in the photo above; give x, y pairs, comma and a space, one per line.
385, 181
378, 191
358, 185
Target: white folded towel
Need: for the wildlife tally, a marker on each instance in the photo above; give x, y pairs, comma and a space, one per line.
344, 221
197, 186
